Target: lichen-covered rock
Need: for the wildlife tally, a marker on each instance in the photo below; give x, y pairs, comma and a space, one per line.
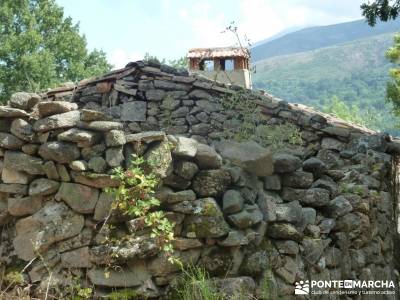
115, 138
286, 163
186, 195
210, 183
114, 156
24, 206
52, 223
255, 263
84, 138
160, 159
80, 198
19, 161
88, 115
8, 112
8, 141
315, 197
234, 238
339, 206
207, 158
272, 183
205, 226
23, 100
13, 176
289, 212
64, 120
78, 165
249, 216
232, 202
60, 152
43, 187
315, 166
298, 179
104, 125
14, 188
23, 130
285, 231
94, 179
248, 155
232, 287
185, 147
147, 137
186, 169
103, 206
48, 108
77, 258
133, 276
97, 164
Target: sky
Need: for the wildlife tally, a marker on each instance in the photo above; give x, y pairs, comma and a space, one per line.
127, 29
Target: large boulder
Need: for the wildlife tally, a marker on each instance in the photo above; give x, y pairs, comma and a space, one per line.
160, 159
133, 276
43, 187
9, 112
19, 161
59, 151
207, 158
249, 216
284, 231
80, 136
24, 206
211, 183
314, 197
13, 176
8, 141
48, 108
286, 163
52, 223
249, 155
80, 198
22, 129
185, 147
65, 120
23, 100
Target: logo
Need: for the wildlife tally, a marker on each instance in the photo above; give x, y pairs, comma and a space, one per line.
302, 287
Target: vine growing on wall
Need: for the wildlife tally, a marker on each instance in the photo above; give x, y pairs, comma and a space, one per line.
135, 197
249, 125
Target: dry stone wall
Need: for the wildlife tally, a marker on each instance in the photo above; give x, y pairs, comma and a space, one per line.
256, 218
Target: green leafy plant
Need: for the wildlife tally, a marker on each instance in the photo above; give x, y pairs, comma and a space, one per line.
248, 119
195, 284
135, 197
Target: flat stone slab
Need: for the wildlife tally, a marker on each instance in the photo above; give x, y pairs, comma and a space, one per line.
134, 111
148, 137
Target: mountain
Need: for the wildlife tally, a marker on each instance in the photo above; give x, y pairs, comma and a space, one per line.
317, 37
356, 72
278, 35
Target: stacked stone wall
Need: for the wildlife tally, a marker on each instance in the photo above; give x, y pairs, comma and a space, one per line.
257, 218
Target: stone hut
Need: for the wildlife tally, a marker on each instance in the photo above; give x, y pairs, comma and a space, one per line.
228, 65
264, 194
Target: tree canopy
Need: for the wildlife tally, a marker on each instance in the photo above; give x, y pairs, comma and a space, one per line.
383, 10
40, 48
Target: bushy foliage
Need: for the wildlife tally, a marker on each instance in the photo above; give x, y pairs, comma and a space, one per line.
135, 197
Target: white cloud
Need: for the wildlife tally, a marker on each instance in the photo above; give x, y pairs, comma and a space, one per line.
260, 19
119, 57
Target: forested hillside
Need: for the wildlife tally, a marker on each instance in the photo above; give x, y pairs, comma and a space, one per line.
355, 72
321, 36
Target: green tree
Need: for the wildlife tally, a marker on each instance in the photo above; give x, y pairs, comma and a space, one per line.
180, 63
393, 86
351, 113
40, 48
383, 10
